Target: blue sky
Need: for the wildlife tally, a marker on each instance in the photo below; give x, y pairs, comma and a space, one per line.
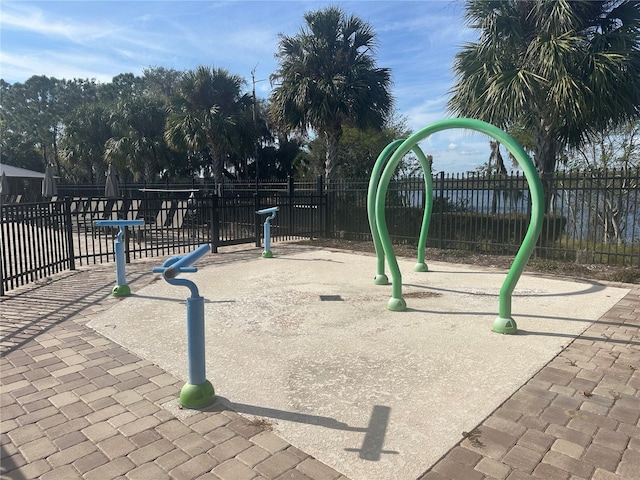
101, 39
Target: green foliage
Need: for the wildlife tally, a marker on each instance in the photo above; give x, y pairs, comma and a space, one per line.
358, 151
560, 70
210, 113
327, 79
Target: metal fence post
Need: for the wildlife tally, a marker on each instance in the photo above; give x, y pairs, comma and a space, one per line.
215, 223
69, 231
256, 220
441, 211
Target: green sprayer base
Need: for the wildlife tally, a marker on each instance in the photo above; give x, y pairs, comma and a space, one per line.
506, 326
197, 396
267, 254
396, 304
381, 279
121, 291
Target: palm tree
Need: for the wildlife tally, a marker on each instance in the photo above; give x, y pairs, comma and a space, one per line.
563, 70
138, 145
83, 145
210, 115
328, 78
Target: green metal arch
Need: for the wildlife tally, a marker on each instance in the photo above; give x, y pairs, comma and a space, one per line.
421, 266
504, 323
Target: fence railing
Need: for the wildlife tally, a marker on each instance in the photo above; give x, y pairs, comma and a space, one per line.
592, 217
39, 239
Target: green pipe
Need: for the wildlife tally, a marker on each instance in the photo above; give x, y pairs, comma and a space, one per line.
421, 266
504, 323
381, 278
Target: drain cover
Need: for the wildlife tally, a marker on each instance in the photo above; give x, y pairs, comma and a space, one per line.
330, 298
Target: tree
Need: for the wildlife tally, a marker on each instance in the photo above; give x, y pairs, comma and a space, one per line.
609, 164
358, 151
138, 144
564, 70
161, 82
83, 144
210, 114
327, 78
33, 116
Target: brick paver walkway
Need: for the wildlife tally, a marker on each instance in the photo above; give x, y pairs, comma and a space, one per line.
76, 405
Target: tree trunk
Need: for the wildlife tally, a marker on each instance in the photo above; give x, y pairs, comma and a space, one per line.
332, 139
216, 163
545, 153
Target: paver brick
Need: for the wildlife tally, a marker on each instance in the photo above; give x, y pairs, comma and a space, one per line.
253, 455
277, 464
625, 414
116, 446
630, 464
546, 471
293, 475
25, 434
230, 448
245, 428
209, 422
522, 458
69, 440
76, 410
148, 471
30, 470
99, 431
71, 454
464, 455
144, 438
317, 470
451, 469
66, 471
270, 442
603, 457
138, 425
111, 470
612, 439
234, 469
536, 440
220, 435
600, 474
173, 429
171, 459
151, 451
37, 449
194, 467
493, 469
90, 461
568, 464
193, 444
568, 448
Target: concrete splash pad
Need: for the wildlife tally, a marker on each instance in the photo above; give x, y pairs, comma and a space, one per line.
304, 341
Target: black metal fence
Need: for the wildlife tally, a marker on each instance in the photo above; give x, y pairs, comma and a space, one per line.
39, 239
591, 217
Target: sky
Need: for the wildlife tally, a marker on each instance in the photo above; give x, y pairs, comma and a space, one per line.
417, 40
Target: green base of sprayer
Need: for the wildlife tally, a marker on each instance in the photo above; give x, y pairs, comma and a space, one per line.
381, 279
421, 267
396, 304
267, 254
505, 325
121, 291
197, 396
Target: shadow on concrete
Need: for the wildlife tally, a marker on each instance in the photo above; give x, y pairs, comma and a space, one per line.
375, 432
